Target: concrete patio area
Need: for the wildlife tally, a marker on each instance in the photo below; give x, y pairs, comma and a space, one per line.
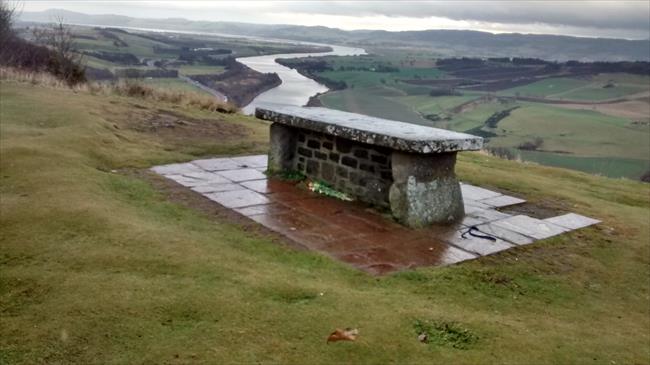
355, 234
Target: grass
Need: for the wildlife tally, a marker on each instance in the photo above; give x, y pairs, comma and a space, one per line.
189, 70
371, 101
173, 84
608, 166
583, 133
584, 89
99, 267
547, 87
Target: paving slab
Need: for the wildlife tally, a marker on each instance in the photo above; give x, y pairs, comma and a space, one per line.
268, 209
477, 245
303, 229
472, 205
479, 216
531, 227
208, 177
176, 169
217, 164
472, 192
572, 221
259, 161
239, 175
238, 198
355, 234
502, 201
186, 180
269, 186
215, 187
504, 234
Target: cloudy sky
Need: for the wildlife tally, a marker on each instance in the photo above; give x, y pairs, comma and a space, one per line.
619, 19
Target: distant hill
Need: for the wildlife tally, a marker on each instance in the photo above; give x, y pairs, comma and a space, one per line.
444, 42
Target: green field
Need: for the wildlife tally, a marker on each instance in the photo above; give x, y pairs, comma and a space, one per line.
188, 70
99, 266
608, 166
361, 79
173, 84
586, 88
371, 102
588, 140
547, 87
583, 133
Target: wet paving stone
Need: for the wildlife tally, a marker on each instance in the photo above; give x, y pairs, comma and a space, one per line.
238, 198
217, 164
303, 229
269, 186
239, 175
270, 209
531, 227
215, 187
572, 221
176, 169
504, 234
186, 180
478, 245
480, 216
472, 192
502, 201
356, 234
257, 161
207, 177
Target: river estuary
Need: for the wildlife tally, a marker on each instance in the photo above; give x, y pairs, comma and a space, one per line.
295, 89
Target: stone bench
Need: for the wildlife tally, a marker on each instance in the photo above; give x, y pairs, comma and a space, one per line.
405, 167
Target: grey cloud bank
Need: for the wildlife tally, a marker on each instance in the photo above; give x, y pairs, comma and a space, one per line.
617, 19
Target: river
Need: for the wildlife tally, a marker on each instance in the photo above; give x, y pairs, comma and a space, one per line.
295, 89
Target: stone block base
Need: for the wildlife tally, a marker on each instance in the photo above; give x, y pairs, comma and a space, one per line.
425, 189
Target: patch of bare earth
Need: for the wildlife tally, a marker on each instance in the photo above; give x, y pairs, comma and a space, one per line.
171, 125
176, 128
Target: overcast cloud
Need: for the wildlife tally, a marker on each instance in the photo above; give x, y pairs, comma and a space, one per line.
624, 19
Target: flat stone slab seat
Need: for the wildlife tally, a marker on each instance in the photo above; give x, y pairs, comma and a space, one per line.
405, 167
351, 233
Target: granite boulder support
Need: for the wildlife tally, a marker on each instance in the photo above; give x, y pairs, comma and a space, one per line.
425, 189
282, 148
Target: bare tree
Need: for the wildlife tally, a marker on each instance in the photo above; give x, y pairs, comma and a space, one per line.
7, 14
59, 38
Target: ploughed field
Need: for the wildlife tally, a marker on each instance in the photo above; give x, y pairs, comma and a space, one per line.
102, 262
593, 117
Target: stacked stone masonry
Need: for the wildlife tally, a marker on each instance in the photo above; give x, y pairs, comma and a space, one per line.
407, 168
358, 169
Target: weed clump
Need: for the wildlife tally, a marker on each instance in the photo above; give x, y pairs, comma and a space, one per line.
444, 333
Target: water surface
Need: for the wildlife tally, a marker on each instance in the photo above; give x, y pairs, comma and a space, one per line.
295, 89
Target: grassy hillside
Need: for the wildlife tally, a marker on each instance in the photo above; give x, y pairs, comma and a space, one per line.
99, 266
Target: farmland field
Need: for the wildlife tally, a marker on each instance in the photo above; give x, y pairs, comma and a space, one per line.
173, 83
612, 139
608, 166
596, 88
547, 87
